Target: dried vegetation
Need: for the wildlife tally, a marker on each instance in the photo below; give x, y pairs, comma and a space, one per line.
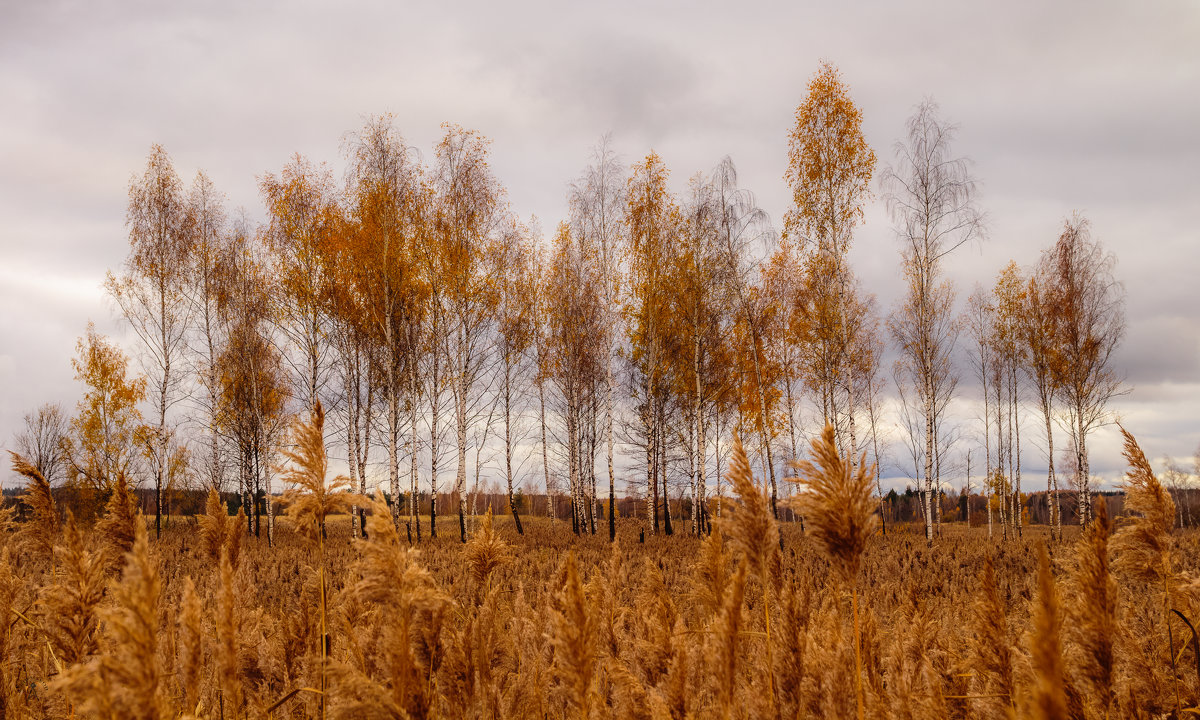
841, 622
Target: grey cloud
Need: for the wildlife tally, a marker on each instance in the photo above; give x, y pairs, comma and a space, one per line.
1063, 106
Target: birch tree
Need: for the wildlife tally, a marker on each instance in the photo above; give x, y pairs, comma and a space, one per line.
470, 208
516, 283
1038, 327
829, 173
152, 294
597, 201
210, 250
302, 212
931, 196
391, 224
652, 221
1091, 303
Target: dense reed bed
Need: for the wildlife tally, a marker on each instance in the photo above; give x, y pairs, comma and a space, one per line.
840, 622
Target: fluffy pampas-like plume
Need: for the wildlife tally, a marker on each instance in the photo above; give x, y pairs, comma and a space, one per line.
485, 551
39, 534
310, 501
841, 514
125, 680
1048, 699
837, 503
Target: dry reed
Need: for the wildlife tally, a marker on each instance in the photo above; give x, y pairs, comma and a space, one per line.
310, 500
68, 605
126, 680
838, 503
1091, 612
118, 526
991, 650
38, 535
1048, 698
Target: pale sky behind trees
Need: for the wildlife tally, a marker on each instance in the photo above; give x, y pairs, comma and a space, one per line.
1088, 106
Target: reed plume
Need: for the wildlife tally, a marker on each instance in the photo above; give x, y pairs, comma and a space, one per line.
191, 646
117, 527
485, 551
750, 527
9, 587
991, 652
836, 501
722, 650
229, 679
754, 535
573, 635
841, 516
38, 535
711, 575
234, 533
310, 500
125, 679
214, 525
67, 606
1048, 698
1092, 613
1143, 545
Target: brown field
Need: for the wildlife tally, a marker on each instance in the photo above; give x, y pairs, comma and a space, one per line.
551, 625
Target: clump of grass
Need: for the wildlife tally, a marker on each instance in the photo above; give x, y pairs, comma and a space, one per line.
837, 503
405, 603
38, 535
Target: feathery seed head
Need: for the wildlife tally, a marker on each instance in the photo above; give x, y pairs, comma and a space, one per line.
837, 503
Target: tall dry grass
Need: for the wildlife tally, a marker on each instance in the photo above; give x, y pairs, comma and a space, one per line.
837, 501
551, 625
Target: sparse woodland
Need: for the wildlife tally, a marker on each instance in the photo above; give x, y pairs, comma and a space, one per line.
272, 507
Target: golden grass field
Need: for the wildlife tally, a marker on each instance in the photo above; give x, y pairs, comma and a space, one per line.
208, 622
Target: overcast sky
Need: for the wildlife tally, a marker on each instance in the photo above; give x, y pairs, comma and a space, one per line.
1089, 106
